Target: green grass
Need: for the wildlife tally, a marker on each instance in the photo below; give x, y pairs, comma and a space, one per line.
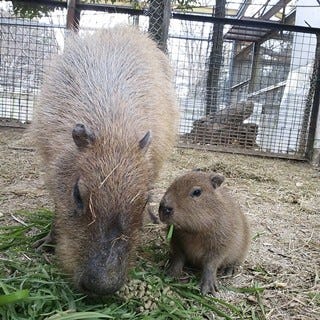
32, 288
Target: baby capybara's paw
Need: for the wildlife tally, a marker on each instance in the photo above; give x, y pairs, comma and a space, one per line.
208, 285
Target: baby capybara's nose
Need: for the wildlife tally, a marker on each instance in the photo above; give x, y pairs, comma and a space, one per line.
164, 211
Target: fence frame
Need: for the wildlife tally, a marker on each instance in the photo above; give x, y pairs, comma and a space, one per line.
74, 8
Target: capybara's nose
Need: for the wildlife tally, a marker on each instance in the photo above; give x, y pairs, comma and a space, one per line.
94, 285
164, 211
103, 274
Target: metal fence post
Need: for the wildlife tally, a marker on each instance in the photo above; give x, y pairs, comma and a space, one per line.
73, 15
313, 144
159, 20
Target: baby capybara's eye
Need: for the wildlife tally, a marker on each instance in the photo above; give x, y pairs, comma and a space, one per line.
196, 192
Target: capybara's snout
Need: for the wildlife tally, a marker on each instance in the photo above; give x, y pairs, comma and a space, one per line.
102, 274
165, 211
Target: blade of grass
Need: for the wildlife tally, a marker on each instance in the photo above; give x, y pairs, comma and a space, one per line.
212, 307
13, 297
79, 315
170, 232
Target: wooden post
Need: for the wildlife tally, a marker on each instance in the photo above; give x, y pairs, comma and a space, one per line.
73, 15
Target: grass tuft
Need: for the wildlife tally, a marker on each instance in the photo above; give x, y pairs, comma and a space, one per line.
32, 288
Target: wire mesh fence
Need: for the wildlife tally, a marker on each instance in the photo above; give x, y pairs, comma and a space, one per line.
261, 98
26, 45
241, 88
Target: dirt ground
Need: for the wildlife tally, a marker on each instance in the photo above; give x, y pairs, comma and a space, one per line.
281, 199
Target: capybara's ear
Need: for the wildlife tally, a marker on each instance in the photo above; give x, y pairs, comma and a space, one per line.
82, 136
216, 180
145, 141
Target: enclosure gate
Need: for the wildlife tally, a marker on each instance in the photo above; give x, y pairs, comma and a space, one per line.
243, 86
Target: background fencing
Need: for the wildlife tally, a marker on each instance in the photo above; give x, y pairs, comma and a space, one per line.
246, 87
26, 44
263, 92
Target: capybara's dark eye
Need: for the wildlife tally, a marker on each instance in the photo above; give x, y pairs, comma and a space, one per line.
77, 197
196, 192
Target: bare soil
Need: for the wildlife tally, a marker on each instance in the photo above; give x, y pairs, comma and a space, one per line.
281, 199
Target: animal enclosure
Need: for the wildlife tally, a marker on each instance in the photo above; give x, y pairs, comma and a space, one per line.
243, 86
255, 93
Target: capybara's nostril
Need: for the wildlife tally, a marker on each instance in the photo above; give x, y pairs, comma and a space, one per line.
165, 211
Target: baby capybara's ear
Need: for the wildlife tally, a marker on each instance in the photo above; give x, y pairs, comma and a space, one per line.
216, 180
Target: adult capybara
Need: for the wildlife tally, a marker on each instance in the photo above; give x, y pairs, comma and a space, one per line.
105, 122
210, 230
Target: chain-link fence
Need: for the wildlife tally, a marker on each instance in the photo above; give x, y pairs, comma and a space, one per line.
26, 45
241, 87
263, 91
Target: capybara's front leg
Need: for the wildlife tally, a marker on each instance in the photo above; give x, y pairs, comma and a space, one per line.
176, 262
209, 279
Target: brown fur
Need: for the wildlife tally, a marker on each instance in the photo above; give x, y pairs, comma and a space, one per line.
210, 230
117, 86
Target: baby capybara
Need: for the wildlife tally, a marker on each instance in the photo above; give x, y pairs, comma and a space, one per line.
105, 121
210, 230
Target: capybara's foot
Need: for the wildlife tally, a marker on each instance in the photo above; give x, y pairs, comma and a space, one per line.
208, 286
175, 269
228, 271
209, 280
46, 244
